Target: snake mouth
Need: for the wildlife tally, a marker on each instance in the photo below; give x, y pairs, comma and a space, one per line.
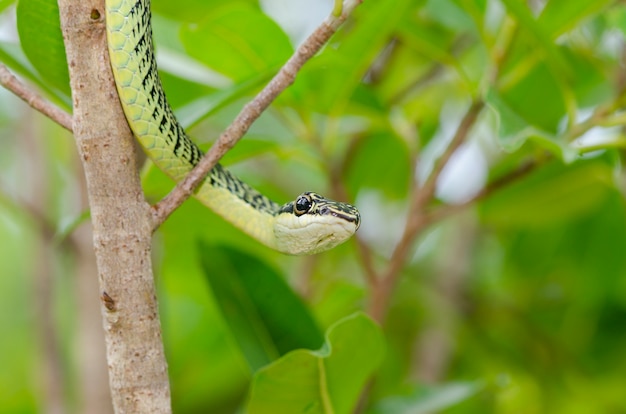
350, 218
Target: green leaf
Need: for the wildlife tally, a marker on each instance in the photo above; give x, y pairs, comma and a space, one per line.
241, 39
192, 10
543, 39
373, 30
592, 84
429, 400
617, 19
428, 39
449, 13
529, 82
42, 41
4, 4
264, 315
554, 194
249, 148
199, 109
328, 82
321, 382
560, 16
514, 131
474, 8
392, 178
13, 57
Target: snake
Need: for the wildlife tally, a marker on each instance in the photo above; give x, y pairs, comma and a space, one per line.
308, 224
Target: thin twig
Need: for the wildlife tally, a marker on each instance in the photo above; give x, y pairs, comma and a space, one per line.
522, 171
251, 112
428, 189
417, 219
11, 83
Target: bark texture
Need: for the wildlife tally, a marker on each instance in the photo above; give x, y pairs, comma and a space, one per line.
120, 215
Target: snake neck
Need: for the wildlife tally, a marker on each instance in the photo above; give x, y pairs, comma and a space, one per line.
241, 204
152, 121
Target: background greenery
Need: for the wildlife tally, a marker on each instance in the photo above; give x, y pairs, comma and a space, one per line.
514, 304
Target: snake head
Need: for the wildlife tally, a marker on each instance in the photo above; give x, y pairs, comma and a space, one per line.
313, 224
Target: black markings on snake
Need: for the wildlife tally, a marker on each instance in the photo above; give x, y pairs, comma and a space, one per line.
173, 132
163, 123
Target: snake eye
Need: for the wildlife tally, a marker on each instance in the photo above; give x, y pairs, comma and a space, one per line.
302, 205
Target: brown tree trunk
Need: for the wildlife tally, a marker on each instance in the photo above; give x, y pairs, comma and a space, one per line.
121, 217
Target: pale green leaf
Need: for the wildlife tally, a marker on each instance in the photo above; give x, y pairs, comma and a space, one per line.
550, 196
328, 381
449, 13
429, 400
205, 106
560, 16
13, 57
4, 4
193, 10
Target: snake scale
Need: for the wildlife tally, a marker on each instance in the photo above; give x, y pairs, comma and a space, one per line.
309, 224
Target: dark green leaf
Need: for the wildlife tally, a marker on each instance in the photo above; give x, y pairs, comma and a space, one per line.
537, 97
514, 131
265, 316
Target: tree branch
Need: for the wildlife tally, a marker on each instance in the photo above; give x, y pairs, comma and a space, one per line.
251, 111
122, 220
417, 219
38, 103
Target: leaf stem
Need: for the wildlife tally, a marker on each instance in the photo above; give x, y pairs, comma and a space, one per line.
337, 8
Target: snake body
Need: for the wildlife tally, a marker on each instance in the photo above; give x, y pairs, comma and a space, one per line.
307, 225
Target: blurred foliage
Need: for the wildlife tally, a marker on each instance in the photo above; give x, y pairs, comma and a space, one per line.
516, 304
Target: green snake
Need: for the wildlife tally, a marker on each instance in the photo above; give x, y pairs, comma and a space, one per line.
309, 224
